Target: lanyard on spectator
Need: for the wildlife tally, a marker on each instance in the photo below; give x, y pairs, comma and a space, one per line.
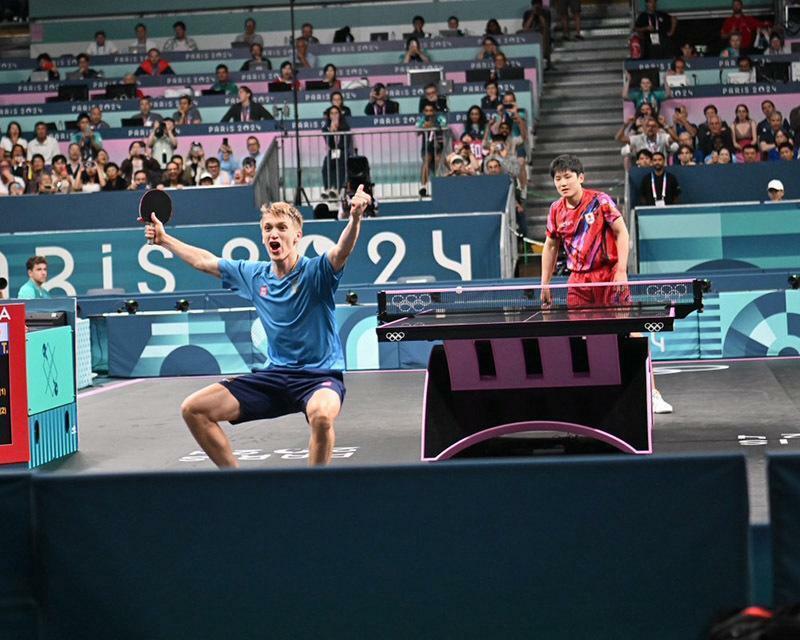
663, 185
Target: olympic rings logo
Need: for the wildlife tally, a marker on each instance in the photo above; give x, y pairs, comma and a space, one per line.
411, 303
667, 291
654, 327
395, 336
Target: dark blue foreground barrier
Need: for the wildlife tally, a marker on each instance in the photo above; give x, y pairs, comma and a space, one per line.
784, 505
17, 604
600, 547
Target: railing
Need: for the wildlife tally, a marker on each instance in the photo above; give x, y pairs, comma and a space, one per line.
267, 182
395, 160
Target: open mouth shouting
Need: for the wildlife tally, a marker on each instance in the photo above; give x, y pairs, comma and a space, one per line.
274, 247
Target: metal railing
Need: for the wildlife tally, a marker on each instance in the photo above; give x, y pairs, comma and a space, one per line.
393, 157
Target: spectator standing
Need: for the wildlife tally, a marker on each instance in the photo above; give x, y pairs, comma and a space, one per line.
379, 103
338, 141
163, 141
431, 96
431, 126
223, 83
517, 118
195, 164
96, 119
656, 29
775, 190
141, 43
681, 124
254, 150
246, 110
414, 52
452, 25
744, 130
37, 277
43, 144
13, 136
304, 59
154, 65
187, 113
84, 71
538, 19
764, 127
565, 7
250, 36
227, 162
660, 188
257, 59
777, 45
101, 46
746, 26
90, 142
307, 31
74, 161
180, 41
138, 161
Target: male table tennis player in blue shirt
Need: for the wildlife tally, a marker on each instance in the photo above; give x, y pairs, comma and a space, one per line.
293, 296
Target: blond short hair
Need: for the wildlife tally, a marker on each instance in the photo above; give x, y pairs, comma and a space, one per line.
283, 209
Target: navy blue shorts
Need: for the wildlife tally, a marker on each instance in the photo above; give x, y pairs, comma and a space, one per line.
277, 391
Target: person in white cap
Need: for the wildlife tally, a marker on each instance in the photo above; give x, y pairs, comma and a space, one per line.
775, 190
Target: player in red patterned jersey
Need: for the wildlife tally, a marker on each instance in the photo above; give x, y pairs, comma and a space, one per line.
591, 229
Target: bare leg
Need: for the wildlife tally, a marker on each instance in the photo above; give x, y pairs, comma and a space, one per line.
322, 410
203, 411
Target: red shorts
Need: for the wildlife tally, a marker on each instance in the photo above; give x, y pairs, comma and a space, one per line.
597, 296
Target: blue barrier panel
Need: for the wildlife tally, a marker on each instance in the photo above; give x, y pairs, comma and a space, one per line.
465, 247
702, 237
784, 508
17, 605
727, 182
545, 549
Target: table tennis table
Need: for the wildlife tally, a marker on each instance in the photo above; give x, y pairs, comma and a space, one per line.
510, 363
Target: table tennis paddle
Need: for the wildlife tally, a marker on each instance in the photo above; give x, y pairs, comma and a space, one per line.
158, 202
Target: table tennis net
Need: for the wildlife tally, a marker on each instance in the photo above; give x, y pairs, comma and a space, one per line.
396, 304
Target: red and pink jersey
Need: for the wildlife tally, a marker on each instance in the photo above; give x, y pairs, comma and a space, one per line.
585, 230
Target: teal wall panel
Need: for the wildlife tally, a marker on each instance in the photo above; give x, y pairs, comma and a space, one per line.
51, 368
53, 434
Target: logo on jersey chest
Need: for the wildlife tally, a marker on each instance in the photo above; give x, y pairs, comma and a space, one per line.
589, 217
264, 291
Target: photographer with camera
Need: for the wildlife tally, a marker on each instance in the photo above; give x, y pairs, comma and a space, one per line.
163, 141
90, 142
379, 103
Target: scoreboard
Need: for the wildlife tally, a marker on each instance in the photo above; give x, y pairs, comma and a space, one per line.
14, 431
5, 399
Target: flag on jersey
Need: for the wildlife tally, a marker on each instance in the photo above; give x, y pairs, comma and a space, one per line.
585, 231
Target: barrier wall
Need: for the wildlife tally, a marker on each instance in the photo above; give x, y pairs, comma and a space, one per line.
784, 506
698, 237
460, 550
726, 183
465, 247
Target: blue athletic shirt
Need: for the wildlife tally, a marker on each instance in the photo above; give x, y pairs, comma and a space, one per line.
297, 311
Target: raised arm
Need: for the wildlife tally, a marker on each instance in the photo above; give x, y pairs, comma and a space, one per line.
195, 257
339, 253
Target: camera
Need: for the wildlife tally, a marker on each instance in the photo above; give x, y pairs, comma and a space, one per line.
159, 132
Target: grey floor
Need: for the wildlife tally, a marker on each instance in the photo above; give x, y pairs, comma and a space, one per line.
136, 425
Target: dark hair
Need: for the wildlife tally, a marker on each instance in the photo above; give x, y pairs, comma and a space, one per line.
181, 24
176, 155
211, 160
415, 18
141, 171
306, 24
44, 56
112, 164
675, 62
170, 119
492, 82
481, 120
250, 19
378, 86
410, 40
184, 96
453, 18
336, 93
332, 66
286, 63
735, 117
786, 144
566, 162
57, 157
658, 153
156, 49
249, 138
34, 260
510, 93
763, 102
750, 146
490, 39
221, 66
777, 35
429, 85
644, 152
100, 33
710, 106
82, 56
37, 155
247, 90
130, 146
739, 61
686, 146
140, 24
8, 128
83, 115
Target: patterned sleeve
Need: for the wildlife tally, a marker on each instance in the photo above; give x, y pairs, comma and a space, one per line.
552, 231
609, 209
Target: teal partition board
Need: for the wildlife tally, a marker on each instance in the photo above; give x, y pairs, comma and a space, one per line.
51, 369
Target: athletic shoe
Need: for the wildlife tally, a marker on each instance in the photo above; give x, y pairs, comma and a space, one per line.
659, 404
